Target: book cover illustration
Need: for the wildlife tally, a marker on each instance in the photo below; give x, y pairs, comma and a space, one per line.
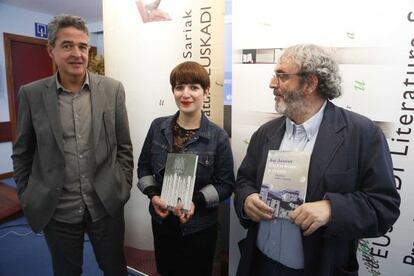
179, 179
285, 181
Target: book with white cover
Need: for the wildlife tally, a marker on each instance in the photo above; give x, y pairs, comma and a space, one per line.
179, 179
285, 181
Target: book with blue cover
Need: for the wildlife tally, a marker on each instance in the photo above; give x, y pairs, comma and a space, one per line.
285, 181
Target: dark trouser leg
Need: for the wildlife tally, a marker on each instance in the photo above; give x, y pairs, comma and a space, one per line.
183, 255
65, 242
199, 252
264, 266
107, 238
167, 245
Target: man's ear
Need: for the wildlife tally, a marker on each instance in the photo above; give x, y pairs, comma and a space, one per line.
49, 49
311, 83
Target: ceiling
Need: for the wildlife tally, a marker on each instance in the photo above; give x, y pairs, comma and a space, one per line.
91, 10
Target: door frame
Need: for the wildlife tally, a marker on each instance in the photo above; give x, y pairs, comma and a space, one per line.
8, 38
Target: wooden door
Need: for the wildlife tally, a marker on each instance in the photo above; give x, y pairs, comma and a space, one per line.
27, 60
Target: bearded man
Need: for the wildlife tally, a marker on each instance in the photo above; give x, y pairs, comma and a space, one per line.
351, 193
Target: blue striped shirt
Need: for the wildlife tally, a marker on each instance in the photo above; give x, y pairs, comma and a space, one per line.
280, 239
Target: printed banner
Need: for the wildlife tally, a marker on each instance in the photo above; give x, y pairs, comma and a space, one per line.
374, 45
144, 41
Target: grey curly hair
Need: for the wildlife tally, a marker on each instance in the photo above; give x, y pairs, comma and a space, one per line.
316, 60
63, 21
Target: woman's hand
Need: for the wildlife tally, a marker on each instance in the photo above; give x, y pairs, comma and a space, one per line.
159, 206
184, 217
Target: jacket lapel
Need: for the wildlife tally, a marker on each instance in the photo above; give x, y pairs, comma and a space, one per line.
98, 101
51, 106
275, 138
326, 145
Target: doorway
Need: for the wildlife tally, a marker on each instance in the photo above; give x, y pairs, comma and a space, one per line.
27, 60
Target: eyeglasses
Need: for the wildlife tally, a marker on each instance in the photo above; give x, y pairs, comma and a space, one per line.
284, 76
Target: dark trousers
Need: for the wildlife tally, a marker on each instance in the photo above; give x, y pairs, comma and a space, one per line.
176, 254
65, 242
264, 266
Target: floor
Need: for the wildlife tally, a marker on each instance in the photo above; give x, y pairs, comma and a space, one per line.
23, 252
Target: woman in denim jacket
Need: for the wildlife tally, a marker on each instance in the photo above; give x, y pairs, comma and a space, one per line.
185, 242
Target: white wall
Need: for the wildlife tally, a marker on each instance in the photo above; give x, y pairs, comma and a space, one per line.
20, 21
16, 21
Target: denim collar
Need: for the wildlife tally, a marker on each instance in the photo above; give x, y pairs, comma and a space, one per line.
203, 131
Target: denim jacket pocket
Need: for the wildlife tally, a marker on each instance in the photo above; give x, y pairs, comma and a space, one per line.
158, 159
205, 169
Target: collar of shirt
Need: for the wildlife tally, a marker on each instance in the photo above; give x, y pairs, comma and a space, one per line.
311, 125
59, 87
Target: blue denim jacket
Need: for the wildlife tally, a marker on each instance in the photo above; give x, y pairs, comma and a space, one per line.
214, 175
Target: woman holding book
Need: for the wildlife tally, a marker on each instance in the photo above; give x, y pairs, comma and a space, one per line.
184, 240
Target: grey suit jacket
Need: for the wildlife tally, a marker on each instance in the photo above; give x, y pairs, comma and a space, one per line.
38, 158
351, 166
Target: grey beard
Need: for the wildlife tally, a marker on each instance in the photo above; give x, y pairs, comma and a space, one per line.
293, 105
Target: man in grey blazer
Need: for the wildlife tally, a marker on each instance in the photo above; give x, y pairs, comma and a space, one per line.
72, 156
351, 192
